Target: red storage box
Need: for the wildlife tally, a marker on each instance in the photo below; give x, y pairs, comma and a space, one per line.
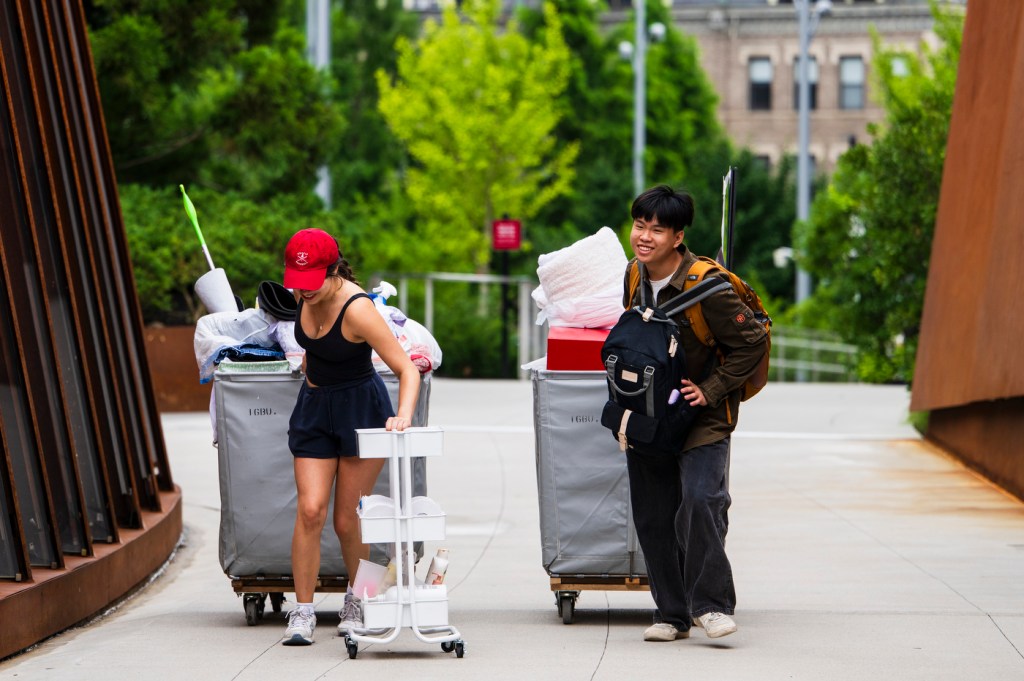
575, 349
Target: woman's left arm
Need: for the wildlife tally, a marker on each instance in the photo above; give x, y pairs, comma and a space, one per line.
370, 326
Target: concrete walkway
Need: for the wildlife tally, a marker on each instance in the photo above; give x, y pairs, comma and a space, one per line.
859, 553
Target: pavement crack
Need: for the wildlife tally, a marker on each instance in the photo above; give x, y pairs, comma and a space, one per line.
607, 634
1008, 640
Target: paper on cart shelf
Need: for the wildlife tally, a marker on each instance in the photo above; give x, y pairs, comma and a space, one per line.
425, 506
376, 506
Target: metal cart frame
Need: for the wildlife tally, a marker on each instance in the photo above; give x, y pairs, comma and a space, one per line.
422, 608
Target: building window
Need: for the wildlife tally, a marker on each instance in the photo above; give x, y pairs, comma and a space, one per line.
812, 81
760, 83
851, 83
763, 161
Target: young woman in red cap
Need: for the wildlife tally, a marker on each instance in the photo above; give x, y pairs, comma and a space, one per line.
338, 326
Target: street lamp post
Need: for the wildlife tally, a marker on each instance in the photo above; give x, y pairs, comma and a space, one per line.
636, 53
318, 51
808, 22
639, 96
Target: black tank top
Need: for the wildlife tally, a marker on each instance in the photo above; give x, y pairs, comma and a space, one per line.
332, 359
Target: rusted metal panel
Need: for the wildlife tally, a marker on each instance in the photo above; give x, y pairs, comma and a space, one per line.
58, 599
80, 428
986, 436
172, 364
970, 329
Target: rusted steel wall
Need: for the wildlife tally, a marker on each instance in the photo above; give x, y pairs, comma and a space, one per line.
970, 370
172, 364
987, 436
971, 329
84, 470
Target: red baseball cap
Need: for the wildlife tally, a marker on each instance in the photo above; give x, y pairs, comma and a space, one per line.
306, 258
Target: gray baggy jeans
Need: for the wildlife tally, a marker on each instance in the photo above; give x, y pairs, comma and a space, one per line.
681, 512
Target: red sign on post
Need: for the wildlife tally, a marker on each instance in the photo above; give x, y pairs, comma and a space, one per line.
506, 235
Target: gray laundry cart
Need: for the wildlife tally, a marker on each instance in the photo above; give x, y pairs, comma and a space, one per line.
257, 485
586, 527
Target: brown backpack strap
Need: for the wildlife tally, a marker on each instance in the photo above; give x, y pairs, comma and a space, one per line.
634, 281
694, 314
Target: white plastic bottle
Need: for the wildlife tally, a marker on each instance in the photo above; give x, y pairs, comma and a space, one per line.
438, 566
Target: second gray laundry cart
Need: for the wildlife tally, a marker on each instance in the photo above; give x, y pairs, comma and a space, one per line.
587, 537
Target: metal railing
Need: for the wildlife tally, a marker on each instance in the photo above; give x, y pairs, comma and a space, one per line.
807, 354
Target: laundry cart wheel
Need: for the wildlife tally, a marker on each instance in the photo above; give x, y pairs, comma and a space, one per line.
253, 604
448, 646
276, 600
567, 605
460, 649
352, 647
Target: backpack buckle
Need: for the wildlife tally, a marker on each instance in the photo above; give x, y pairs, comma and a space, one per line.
648, 313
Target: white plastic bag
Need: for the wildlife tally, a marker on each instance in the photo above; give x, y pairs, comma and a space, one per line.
414, 338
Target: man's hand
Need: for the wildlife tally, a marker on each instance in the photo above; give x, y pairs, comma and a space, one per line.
692, 394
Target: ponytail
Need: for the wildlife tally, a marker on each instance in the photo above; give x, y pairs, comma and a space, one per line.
342, 269
345, 270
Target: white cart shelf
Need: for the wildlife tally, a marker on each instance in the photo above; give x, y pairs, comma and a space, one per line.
401, 520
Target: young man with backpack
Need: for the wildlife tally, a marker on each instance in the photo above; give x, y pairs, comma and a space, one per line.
680, 500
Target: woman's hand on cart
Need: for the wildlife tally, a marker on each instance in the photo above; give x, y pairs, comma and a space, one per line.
397, 423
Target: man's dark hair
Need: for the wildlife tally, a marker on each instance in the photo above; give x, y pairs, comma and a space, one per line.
673, 208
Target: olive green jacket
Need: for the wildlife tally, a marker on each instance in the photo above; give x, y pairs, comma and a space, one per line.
742, 341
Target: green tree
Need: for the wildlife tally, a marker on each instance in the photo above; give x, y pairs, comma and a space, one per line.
868, 240
270, 124
476, 106
215, 91
363, 42
686, 146
596, 106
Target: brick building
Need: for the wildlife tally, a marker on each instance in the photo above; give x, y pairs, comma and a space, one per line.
750, 51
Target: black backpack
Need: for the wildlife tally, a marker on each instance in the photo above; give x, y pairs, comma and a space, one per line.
645, 364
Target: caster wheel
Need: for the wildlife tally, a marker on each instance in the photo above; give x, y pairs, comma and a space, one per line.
448, 646
567, 608
352, 647
276, 600
251, 605
460, 649
261, 604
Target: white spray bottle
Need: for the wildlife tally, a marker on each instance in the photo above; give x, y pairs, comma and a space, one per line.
438, 566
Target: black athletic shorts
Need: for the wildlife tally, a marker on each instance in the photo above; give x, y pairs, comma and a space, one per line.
323, 423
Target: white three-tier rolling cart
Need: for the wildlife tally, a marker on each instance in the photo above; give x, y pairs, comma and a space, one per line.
402, 519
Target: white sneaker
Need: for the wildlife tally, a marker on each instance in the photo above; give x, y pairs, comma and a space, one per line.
663, 631
351, 615
300, 628
716, 624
